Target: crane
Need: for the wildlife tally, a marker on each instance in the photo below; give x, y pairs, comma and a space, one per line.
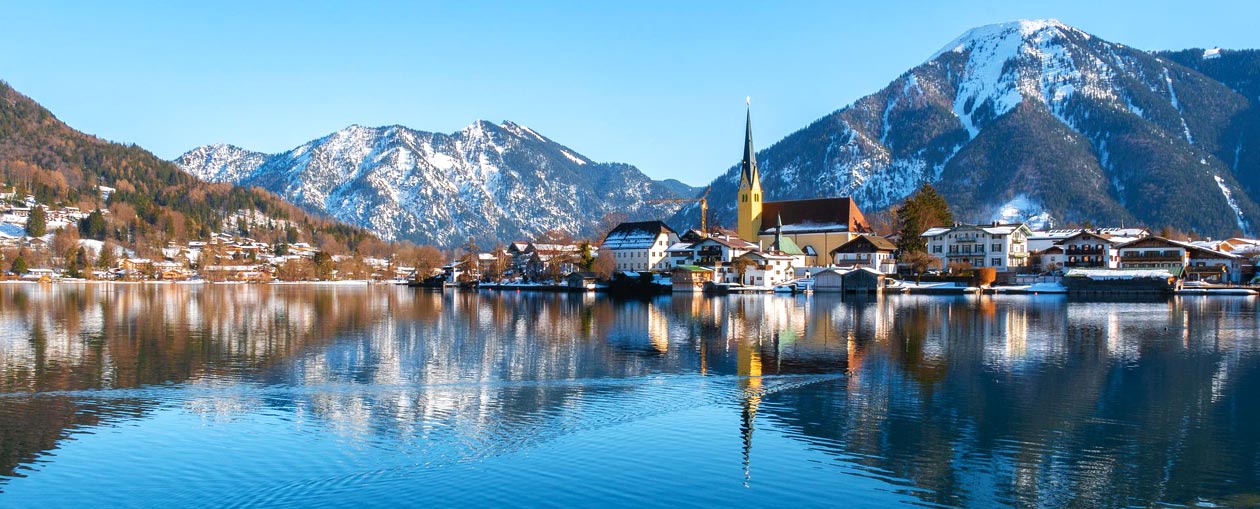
704, 208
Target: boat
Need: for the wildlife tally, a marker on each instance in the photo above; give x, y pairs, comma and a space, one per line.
1207, 291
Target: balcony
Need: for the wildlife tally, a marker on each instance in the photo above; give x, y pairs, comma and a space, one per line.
1151, 259
1083, 250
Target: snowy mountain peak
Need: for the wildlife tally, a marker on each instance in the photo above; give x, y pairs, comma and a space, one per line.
220, 162
492, 182
1035, 120
1004, 34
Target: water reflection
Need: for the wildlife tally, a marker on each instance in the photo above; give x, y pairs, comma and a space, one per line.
1024, 401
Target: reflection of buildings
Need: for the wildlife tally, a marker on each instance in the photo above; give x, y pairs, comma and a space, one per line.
1109, 402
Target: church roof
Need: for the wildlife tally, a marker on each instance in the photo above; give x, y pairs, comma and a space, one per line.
787, 245
818, 214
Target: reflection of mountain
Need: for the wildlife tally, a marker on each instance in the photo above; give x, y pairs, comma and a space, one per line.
961, 401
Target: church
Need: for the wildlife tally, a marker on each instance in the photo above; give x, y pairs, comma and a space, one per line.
816, 226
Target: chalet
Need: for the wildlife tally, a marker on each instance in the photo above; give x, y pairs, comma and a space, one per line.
1001, 246
710, 251
1091, 250
1154, 253
640, 246
1041, 240
866, 251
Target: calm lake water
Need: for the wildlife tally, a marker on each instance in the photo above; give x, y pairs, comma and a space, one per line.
304, 396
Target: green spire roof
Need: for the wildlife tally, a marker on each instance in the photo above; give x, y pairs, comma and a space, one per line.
786, 245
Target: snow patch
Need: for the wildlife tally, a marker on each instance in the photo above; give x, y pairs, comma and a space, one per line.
1211, 53
572, 157
1172, 97
1233, 204
1022, 209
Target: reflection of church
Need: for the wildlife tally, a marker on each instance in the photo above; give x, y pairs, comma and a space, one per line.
816, 225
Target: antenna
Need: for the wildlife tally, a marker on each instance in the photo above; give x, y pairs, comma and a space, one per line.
748, 100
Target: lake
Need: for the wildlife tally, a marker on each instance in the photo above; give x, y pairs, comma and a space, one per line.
116, 395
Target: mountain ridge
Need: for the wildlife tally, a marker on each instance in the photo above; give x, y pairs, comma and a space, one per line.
1027, 120
491, 182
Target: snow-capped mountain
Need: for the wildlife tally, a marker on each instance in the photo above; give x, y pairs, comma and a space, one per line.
494, 183
1030, 120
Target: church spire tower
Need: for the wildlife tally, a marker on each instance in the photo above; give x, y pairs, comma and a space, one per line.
749, 205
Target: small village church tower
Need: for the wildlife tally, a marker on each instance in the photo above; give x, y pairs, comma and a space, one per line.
749, 205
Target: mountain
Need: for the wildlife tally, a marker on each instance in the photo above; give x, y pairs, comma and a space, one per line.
494, 183
1036, 121
154, 201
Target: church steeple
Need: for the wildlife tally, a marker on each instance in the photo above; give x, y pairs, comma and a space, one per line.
748, 167
749, 205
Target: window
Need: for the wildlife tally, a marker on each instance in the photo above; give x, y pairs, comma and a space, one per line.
997, 262
996, 247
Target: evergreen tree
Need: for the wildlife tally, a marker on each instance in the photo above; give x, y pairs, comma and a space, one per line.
324, 265
925, 209
19, 265
93, 226
586, 260
106, 259
77, 263
37, 223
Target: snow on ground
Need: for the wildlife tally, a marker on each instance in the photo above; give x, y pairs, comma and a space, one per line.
92, 246
1211, 53
1022, 209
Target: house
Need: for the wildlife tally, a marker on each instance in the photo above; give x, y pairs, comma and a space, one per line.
1154, 253
1041, 240
1001, 246
716, 249
1215, 266
1091, 250
1182, 259
815, 225
769, 268
640, 246
690, 278
585, 280
866, 251
1049, 259
259, 273
136, 265
550, 264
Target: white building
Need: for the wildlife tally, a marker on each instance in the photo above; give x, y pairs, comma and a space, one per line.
641, 246
1041, 240
1001, 246
771, 268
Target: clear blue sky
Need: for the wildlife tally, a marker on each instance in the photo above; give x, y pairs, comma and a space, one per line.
658, 85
